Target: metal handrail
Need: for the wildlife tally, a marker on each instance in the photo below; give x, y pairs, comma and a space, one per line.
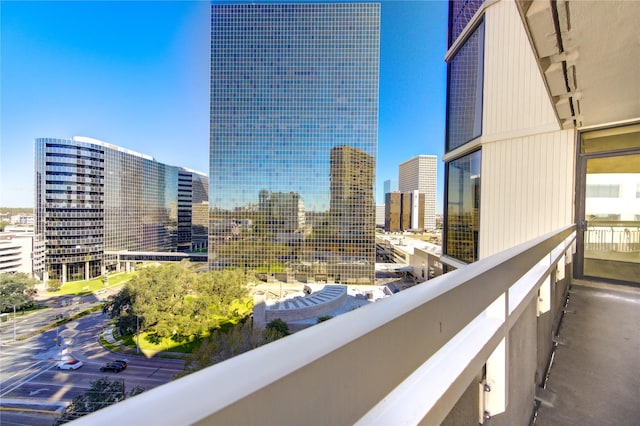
349, 369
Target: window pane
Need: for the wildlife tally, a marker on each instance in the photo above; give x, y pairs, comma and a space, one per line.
461, 12
464, 115
463, 207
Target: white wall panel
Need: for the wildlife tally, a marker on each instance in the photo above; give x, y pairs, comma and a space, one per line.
527, 188
527, 160
515, 98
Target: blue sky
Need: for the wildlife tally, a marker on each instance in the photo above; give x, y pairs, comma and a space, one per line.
136, 74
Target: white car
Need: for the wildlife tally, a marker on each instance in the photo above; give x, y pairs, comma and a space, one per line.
71, 364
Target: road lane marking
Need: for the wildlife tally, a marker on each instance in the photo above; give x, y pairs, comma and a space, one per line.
30, 367
26, 380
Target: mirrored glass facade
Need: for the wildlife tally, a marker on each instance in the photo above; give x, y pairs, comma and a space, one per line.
294, 118
94, 199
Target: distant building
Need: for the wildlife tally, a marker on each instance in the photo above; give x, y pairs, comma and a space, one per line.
16, 252
380, 215
420, 174
404, 211
390, 185
22, 219
393, 211
294, 122
94, 199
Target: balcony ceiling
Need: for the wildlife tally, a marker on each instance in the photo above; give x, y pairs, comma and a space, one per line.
589, 52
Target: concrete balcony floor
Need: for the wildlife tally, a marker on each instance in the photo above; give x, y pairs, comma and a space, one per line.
595, 375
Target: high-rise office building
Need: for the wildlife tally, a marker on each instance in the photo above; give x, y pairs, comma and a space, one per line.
390, 185
294, 110
94, 199
419, 174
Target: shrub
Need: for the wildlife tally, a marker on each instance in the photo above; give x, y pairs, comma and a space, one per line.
54, 285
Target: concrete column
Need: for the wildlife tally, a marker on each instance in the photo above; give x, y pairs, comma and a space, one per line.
64, 273
86, 271
127, 266
259, 311
118, 266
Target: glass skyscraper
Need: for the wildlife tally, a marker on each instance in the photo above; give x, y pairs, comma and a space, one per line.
294, 119
94, 199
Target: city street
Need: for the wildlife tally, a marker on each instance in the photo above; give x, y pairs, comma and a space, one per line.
31, 382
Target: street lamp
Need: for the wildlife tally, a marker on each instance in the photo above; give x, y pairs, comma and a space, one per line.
137, 334
14, 322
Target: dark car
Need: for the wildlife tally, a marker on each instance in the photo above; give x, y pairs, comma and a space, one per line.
114, 367
122, 362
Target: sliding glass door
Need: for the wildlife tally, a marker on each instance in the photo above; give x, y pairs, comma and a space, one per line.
609, 204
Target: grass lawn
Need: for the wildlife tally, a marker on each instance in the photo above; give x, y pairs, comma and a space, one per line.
151, 349
77, 288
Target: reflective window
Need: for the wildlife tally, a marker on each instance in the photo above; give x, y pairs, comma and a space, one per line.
464, 91
463, 207
294, 118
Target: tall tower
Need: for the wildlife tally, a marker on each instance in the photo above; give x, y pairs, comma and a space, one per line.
419, 174
289, 83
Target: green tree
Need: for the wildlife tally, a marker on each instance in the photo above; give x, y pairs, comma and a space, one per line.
118, 306
16, 289
172, 301
3, 224
222, 345
101, 393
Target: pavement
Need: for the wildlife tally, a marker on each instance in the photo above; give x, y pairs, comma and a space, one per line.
595, 376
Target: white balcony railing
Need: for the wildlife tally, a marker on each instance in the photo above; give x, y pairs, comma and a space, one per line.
403, 360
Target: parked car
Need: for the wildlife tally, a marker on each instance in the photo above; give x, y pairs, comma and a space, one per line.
114, 367
70, 364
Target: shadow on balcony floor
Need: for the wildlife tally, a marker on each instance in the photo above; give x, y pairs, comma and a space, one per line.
595, 376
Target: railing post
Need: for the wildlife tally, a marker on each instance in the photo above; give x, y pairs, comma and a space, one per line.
494, 395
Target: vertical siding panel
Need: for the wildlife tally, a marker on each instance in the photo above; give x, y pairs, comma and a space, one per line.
523, 190
494, 193
527, 188
513, 83
519, 229
529, 172
548, 148
487, 212
556, 173
502, 188
510, 195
